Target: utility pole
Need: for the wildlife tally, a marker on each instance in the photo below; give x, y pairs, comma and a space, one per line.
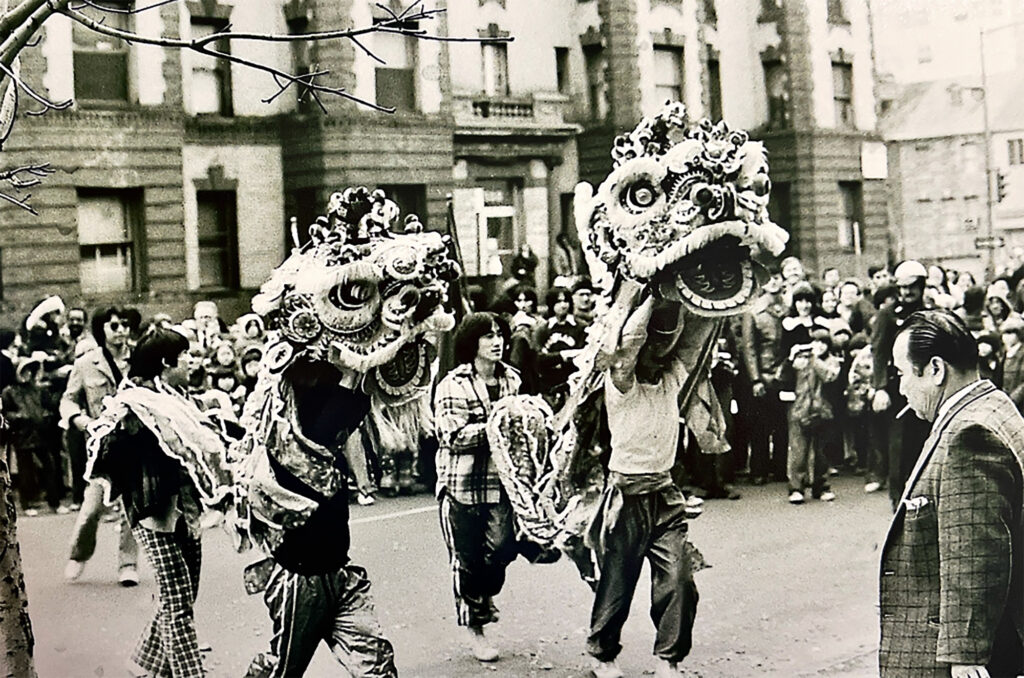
990, 266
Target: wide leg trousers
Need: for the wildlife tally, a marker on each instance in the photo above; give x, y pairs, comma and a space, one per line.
648, 527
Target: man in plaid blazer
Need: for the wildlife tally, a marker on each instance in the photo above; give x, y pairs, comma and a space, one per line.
952, 571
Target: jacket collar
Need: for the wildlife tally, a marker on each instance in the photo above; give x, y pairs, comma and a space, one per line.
100, 362
981, 388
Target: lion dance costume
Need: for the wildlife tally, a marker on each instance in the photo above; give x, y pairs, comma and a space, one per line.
676, 237
347, 364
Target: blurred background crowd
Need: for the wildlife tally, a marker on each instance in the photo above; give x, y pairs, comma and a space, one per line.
804, 377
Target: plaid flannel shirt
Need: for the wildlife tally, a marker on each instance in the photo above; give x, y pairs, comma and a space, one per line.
461, 408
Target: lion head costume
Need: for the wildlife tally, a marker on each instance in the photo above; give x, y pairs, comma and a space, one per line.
682, 218
359, 303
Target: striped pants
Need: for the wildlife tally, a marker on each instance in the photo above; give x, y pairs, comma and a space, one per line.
336, 608
168, 647
481, 544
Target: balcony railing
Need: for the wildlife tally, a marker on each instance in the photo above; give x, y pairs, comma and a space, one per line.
486, 108
540, 109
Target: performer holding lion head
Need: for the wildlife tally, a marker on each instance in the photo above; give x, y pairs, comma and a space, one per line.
674, 236
348, 358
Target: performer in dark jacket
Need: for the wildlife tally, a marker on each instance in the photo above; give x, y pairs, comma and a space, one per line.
154, 448
313, 591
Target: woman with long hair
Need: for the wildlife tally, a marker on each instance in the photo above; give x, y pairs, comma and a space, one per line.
476, 516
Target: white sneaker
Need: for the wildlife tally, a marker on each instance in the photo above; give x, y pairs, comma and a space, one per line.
31, 513
73, 570
666, 669
872, 487
479, 646
62, 510
796, 497
365, 499
828, 495
128, 576
607, 670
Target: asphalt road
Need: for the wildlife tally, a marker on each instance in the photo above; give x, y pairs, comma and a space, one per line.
791, 592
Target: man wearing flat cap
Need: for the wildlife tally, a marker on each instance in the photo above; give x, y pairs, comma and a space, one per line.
905, 434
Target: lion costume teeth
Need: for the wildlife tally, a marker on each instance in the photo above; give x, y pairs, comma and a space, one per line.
676, 189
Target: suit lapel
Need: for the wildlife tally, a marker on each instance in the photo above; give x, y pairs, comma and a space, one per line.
983, 387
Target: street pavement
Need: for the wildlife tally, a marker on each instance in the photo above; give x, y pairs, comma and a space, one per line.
791, 592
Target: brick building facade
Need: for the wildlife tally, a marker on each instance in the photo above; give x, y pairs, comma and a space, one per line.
175, 181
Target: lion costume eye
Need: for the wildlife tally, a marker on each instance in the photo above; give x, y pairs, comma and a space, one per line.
351, 295
639, 196
345, 298
633, 191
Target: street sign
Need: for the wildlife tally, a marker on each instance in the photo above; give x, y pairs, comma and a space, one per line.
990, 242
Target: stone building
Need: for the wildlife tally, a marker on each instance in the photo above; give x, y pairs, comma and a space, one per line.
176, 180
797, 73
936, 144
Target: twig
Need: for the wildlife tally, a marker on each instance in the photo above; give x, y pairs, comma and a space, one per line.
47, 104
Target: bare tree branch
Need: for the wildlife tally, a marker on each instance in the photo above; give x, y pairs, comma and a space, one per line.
19, 25
13, 177
47, 104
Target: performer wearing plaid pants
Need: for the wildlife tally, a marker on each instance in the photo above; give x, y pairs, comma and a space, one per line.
169, 647
156, 450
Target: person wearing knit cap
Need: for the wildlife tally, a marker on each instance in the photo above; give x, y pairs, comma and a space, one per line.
905, 435
1012, 332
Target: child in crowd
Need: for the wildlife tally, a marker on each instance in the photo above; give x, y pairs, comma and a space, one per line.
33, 434
809, 417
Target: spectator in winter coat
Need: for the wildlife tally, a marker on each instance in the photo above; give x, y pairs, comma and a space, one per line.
1012, 331
809, 416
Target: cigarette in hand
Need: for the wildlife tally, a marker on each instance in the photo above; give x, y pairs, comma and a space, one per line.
899, 415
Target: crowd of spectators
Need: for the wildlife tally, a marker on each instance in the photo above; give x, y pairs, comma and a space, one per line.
51, 367
799, 374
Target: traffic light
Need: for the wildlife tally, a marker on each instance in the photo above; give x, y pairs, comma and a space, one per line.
1000, 186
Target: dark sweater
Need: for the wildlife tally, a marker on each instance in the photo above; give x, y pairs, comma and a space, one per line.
328, 414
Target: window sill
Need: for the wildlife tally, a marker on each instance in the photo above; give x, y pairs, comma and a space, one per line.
104, 104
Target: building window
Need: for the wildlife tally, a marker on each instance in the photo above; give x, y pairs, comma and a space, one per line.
109, 230
835, 12
842, 88
850, 232
301, 61
218, 239
668, 74
776, 82
101, 61
211, 77
410, 198
495, 69
562, 69
780, 207
1015, 149
714, 90
396, 77
597, 87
